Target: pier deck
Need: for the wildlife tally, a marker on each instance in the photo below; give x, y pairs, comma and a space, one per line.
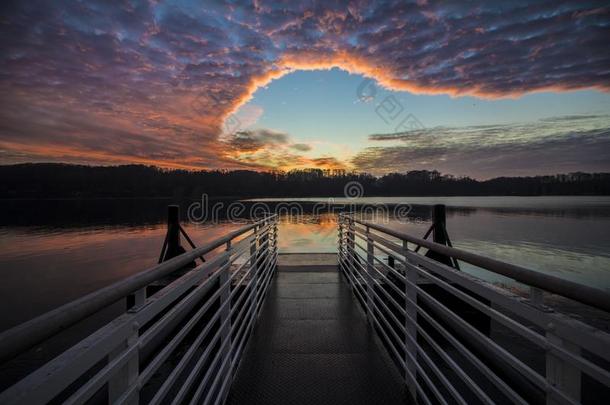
313, 345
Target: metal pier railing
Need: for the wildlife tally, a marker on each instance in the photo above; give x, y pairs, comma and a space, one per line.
456, 338
461, 340
187, 335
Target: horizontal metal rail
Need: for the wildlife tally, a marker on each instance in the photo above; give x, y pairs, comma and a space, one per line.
195, 328
30, 333
447, 330
578, 292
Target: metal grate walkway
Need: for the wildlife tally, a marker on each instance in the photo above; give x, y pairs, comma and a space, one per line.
312, 345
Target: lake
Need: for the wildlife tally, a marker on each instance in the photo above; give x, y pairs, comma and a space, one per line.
52, 252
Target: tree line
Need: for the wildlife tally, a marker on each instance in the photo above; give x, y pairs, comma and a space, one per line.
54, 180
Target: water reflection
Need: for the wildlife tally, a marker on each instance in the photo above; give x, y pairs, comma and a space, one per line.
308, 233
555, 206
47, 267
53, 252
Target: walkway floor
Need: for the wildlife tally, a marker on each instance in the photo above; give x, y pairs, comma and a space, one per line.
312, 345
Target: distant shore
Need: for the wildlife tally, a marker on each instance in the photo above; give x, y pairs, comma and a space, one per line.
64, 181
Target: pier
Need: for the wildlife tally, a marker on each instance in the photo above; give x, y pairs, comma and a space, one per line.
312, 344
389, 318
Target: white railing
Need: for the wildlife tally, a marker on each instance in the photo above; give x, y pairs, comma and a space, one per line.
459, 339
180, 344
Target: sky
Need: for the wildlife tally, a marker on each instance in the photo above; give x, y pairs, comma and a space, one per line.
482, 89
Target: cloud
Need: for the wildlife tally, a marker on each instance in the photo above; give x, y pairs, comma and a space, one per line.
301, 147
159, 82
328, 163
561, 144
254, 140
269, 149
263, 148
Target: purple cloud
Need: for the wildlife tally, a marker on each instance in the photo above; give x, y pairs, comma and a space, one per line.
141, 81
562, 144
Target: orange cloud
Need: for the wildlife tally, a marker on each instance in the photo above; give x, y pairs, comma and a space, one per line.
383, 75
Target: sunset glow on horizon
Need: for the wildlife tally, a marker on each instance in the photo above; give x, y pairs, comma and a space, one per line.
485, 90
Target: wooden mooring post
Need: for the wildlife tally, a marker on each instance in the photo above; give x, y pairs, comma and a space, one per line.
173, 248
439, 234
477, 319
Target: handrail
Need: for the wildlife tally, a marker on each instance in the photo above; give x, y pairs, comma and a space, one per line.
456, 313
26, 335
578, 292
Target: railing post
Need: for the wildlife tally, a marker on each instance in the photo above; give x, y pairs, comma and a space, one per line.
276, 236
370, 263
264, 238
559, 373
128, 374
410, 325
275, 247
351, 243
136, 300
225, 315
536, 297
341, 244
254, 267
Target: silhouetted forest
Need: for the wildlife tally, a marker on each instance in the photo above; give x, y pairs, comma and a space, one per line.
50, 180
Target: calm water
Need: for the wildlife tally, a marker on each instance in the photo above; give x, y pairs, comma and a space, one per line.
54, 251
